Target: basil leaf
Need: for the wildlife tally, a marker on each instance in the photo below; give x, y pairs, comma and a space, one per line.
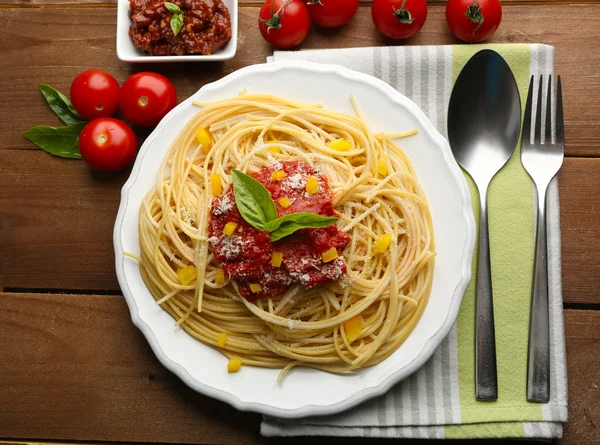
308, 220
172, 7
176, 23
60, 104
61, 141
253, 200
288, 224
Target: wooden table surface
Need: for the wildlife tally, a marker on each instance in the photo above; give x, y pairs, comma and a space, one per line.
72, 366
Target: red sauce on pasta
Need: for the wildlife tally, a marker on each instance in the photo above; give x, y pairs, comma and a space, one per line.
246, 254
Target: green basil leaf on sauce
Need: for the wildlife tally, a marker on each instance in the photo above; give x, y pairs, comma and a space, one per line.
307, 220
172, 7
60, 104
176, 23
253, 200
58, 141
296, 221
176, 18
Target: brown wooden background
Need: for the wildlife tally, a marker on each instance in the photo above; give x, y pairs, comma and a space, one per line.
72, 366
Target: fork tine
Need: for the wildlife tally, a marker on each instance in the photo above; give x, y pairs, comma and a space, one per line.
548, 133
560, 123
537, 133
526, 136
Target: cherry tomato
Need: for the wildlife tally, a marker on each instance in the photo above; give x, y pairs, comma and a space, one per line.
146, 98
332, 13
95, 93
399, 19
107, 144
473, 20
284, 23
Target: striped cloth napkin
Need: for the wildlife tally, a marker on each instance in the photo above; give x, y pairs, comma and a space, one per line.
438, 401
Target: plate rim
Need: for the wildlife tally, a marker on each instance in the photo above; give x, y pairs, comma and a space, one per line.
364, 393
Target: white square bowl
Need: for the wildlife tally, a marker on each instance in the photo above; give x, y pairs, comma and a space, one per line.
127, 52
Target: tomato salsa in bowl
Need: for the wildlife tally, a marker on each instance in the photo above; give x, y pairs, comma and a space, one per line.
206, 30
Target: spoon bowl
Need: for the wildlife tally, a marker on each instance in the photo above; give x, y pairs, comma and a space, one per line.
484, 121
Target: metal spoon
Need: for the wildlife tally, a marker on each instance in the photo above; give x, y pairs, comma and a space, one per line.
484, 119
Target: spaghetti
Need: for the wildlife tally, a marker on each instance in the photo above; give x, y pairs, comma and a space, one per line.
354, 322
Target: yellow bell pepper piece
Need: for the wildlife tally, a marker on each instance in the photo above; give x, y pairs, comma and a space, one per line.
234, 364
186, 274
382, 243
222, 339
215, 184
276, 259
340, 144
255, 288
329, 255
285, 202
278, 175
353, 328
382, 166
203, 138
229, 228
312, 185
220, 276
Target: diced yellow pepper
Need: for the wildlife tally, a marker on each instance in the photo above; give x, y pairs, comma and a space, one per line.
220, 276
186, 274
353, 328
382, 243
285, 202
329, 255
278, 175
234, 364
255, 288
222, 339
230, 228
312, 185
203, 138
276, 259
382, 166
275, 149
340, 144
215, 184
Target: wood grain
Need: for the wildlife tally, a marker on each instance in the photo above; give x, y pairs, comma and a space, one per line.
67, 357
57, 219
579, 188
61, 42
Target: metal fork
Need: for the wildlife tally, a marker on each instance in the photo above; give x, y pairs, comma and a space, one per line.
541, 160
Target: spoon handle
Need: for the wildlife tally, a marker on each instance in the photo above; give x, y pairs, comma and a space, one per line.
486, 381
538, 360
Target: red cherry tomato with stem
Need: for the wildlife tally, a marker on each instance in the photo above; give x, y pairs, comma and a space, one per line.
94, 94
473, 20
332, 13
107, 144
399, 19
284, 23
146, 98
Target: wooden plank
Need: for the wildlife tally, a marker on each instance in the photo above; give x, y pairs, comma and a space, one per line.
67, 357
582, 330
579, 188
58, 218
61, 42
56, 222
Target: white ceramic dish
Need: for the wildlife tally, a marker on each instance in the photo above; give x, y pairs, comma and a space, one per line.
306, 391
127, 52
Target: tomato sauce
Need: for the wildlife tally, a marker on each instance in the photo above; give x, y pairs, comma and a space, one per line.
206, 27
246, 255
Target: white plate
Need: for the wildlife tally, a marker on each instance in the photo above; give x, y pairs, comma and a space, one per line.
307, 391
127, 52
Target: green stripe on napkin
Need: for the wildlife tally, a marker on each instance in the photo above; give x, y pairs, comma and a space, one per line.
511, 226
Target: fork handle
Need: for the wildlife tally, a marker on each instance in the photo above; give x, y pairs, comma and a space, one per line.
486, 381
538, 358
